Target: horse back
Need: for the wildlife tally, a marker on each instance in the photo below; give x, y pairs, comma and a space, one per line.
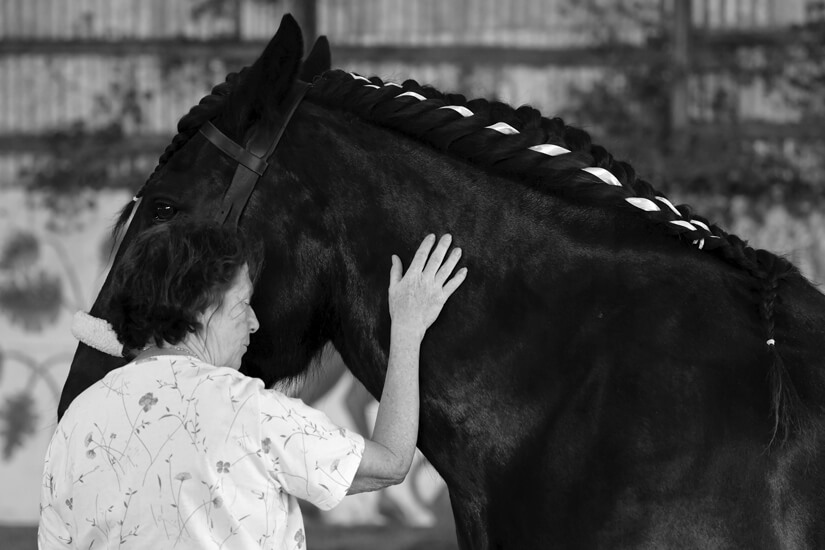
655, 429
797, 480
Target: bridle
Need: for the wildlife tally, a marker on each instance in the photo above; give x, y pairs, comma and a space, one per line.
252, 159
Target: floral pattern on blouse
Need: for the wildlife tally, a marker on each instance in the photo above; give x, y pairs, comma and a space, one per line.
172, 452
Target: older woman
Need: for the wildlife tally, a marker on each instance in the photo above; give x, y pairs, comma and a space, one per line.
177, 449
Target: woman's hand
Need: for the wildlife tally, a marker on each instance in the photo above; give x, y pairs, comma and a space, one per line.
416, 300
417, 297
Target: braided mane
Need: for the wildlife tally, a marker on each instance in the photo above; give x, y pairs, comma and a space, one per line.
554, 157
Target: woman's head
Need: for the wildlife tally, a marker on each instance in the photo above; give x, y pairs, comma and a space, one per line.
186, 278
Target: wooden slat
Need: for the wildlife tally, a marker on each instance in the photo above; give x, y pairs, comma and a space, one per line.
39, 143
810, 130
194, 48
709, 48
464, 55
248, 51
751, 37
680, 61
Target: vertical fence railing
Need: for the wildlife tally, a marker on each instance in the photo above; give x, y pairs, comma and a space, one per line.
749, 14
517, 23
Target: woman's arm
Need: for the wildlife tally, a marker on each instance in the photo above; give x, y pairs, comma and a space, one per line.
415, 301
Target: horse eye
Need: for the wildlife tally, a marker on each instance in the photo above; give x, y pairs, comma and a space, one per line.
164, 212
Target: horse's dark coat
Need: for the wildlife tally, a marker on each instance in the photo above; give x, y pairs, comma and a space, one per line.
594, 384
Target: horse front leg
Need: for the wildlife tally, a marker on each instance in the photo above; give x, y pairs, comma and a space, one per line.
469, 514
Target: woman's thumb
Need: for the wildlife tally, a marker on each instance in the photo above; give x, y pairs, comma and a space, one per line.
395, 270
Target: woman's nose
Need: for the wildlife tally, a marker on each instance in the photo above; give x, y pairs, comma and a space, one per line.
253, 321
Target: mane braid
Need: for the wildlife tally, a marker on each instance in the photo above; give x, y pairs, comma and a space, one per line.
554, 157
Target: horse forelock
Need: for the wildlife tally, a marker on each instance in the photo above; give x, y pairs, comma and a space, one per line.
124, 215
553, 157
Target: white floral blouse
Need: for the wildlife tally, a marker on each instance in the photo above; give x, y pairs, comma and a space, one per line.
171, 452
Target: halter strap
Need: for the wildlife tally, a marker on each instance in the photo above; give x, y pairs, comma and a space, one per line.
252, 159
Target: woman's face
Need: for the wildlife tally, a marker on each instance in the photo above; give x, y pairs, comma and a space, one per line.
226, 328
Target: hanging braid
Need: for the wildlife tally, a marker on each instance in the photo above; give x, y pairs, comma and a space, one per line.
785, 400
552, 156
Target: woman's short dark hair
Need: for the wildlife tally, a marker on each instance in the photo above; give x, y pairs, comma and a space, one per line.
170, 274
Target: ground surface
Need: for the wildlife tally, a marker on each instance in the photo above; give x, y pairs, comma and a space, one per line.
321, 537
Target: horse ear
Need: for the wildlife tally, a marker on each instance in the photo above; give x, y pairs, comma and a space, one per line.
318, 61
281, 59
268, 80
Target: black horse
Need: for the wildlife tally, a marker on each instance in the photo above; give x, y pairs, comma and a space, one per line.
615, 373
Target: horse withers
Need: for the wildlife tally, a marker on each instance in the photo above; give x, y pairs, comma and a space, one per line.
616, 372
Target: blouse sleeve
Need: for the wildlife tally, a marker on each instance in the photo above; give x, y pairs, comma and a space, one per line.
310, 457
52, 534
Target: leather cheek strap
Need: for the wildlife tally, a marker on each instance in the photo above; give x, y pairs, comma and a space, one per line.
252, 160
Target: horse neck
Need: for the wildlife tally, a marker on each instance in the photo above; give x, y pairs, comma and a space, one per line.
389, 193
385, 194
502, 335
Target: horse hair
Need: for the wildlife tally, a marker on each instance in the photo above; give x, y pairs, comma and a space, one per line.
469, 138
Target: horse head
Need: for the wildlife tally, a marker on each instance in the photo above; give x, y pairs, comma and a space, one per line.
192, 179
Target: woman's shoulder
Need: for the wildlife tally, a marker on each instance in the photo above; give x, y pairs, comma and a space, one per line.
187, 366
174, 371
150, 378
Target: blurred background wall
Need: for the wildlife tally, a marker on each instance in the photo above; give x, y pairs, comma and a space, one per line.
718, 103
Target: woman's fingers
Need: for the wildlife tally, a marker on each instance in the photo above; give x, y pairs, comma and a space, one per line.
454, 282
422, 253
448, 266
417, 297
437, 257
396, 271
